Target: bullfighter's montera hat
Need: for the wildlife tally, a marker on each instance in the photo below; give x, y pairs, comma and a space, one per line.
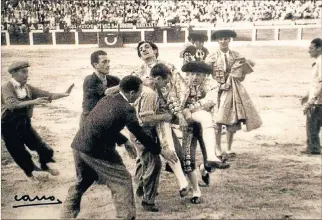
196, 67
223, 33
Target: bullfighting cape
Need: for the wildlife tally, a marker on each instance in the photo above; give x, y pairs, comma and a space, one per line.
235, 104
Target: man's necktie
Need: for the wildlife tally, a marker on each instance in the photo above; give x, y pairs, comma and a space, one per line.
104, 81
226, 63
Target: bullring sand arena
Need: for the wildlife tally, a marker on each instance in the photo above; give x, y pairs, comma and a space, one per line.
270, 178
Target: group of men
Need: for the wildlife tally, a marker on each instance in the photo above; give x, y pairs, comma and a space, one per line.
149, 102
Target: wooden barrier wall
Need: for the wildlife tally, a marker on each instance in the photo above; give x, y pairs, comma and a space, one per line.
158, 35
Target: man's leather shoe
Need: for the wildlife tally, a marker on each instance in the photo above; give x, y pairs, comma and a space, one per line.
183, 192
52, 160
206, 178
44, 166
223, 158
149, 207
316, 152
195, 200
310, 152
209, 165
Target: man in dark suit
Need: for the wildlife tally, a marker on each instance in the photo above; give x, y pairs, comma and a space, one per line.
94, 150
95, 84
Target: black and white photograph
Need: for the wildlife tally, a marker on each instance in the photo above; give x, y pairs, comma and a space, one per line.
159, 109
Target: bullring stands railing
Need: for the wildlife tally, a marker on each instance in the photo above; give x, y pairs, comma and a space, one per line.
175, 34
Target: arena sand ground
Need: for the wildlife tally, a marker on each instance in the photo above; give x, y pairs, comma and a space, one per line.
270, 178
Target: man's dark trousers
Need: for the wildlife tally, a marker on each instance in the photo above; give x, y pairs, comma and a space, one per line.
148, 169
17, 132
115, 176
313, 126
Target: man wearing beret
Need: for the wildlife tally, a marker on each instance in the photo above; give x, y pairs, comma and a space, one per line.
18, 100
234, 104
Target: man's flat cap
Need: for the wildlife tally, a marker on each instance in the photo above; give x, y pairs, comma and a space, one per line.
191, 49
18, 65
195, 36
223, 33
196, 67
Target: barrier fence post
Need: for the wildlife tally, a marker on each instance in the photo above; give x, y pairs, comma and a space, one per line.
276, 34
53, 34
76, 38
7, 38
186, 33
142, 35
254, 33
31, 38
165, 37
299, 33
254, 30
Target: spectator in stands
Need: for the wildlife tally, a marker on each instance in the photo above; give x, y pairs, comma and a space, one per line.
164, 11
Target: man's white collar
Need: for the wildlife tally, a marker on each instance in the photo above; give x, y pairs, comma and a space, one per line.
123, 96
15, 83
221, 52
151, 63
100, 75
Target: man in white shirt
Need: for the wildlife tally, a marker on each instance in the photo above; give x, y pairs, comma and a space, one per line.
313, 101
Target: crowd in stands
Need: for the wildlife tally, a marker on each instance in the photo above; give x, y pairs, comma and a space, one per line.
65, 13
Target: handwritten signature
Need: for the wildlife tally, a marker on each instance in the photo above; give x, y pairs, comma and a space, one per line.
27, 198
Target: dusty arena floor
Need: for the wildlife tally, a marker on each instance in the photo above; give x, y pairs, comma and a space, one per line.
269, 179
